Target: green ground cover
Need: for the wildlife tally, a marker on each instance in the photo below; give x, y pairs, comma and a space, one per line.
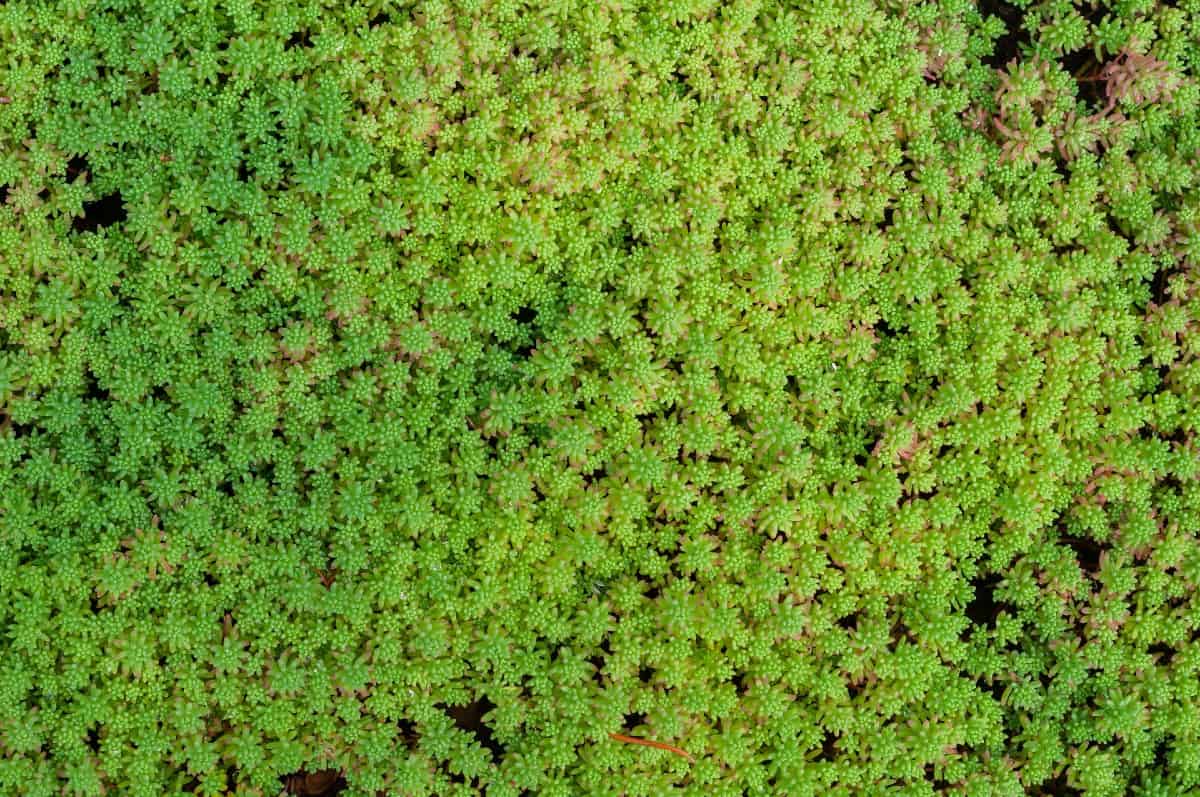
447, 398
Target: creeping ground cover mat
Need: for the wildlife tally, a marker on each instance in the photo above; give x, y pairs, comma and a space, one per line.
599, 397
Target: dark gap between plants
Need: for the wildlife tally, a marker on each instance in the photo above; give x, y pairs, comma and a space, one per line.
646, 419
1160, 755
300, 38
408, 733
93, 391
597, 475
983, 608
1086, 71
995, 688
678, 84
524, 318
323, 783
939, 785
1055, 787
469, 718
828, 748
1164, 654
1087, 551
1158, 287
18, 430
525, 315
1082, 63
598, 662
653, 590
77, 165
1009, 45
104, 212
740, 685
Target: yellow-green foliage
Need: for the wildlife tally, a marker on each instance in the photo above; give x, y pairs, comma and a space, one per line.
428, 391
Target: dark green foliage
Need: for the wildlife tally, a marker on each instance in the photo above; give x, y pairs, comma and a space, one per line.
424, 392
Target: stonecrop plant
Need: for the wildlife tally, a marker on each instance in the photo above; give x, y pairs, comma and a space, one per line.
599, 397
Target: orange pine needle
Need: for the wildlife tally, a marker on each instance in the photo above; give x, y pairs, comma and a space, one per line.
620, 737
